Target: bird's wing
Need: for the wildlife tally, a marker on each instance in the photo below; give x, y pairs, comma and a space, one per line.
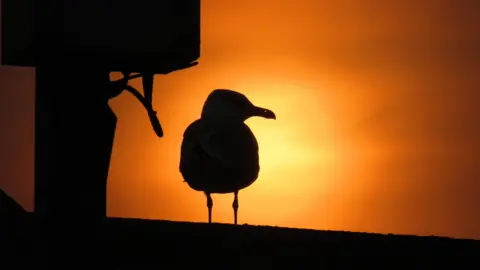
229, 146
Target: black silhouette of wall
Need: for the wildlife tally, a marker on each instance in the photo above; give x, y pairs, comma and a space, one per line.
74, 131
147, 244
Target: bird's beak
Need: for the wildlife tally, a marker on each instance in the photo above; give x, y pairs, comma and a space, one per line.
262, 112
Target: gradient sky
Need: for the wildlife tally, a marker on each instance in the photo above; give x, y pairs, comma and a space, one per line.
377, 130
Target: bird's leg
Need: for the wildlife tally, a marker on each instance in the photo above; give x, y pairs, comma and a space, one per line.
209, 205
235, 206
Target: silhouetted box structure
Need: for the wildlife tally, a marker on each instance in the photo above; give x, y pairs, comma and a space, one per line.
126, 35
74, 45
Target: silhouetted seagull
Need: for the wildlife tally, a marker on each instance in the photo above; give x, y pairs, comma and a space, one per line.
219, 152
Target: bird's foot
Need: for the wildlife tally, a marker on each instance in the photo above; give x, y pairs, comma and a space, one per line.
235, 207
210, 206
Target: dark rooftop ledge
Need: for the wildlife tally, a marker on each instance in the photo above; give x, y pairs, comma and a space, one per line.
152, 244
249, 245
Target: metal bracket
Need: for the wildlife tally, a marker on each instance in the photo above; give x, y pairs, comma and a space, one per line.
117, 87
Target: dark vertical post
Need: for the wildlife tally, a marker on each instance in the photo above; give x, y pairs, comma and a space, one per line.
74, 133
74, 126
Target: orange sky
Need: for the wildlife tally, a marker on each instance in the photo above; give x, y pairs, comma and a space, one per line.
377, 128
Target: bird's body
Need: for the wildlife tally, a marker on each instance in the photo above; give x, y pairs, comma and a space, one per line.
230, 166
219, 153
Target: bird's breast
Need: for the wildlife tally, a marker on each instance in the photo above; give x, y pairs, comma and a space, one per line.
219, 159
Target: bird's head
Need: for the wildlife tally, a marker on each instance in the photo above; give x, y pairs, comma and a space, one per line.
231, 105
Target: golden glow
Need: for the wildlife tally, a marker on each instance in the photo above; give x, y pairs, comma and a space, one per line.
353, 147
377, 118
291, 150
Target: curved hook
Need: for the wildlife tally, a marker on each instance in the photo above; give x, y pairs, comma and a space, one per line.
118, 86
157, 127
